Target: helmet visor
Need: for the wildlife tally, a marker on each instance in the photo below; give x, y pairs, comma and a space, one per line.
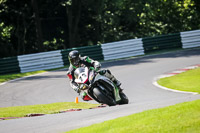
75, 61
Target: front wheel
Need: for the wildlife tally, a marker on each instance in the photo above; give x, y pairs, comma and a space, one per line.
124, 98
101, 96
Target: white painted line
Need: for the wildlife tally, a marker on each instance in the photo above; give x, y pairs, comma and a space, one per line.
178, 71
168, 89
191, 67
171, 74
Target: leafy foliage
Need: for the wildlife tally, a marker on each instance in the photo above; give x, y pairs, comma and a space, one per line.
35, 26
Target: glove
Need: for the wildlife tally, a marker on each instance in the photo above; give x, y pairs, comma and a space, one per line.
97, 65
77, 90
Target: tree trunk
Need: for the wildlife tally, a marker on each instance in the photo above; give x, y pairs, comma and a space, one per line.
99, 8
38, 26
73, 15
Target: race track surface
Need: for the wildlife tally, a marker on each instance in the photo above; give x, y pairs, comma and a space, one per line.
136, 75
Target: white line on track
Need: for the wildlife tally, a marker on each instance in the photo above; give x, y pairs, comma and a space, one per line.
172, 74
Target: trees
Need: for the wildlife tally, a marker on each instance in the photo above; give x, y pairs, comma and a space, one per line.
164, 16
20, 22
35, 26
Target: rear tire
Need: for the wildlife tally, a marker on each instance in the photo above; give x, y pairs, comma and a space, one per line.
101, 96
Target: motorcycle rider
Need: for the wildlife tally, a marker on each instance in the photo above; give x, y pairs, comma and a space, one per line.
76, 61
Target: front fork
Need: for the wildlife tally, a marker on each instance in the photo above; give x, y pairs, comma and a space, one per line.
116, 92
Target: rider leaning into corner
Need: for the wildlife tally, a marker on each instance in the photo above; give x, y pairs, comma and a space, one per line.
77, 61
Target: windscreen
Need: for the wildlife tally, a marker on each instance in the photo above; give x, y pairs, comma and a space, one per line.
78, 71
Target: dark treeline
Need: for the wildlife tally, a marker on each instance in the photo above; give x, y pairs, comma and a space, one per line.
31, 26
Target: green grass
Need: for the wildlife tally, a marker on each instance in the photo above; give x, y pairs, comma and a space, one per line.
180, 118
20, 111
7, 77
186, 81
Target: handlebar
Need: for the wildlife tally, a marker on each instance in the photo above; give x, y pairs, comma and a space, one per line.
96, 70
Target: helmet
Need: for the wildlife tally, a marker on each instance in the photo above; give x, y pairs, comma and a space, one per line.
74, 58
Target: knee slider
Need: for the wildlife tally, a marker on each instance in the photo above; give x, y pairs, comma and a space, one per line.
107, 70
104, 71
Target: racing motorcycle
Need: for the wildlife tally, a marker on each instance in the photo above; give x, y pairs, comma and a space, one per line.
99, 87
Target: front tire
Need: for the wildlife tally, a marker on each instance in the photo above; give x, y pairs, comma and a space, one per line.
101, 96
124, 98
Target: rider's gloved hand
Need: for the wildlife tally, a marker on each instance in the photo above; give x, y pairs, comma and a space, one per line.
77, 89
97, 65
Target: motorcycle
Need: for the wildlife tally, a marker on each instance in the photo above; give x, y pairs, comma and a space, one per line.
99, 87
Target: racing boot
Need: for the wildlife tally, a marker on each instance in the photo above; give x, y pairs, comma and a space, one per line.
85, 97
117, 83
108, 74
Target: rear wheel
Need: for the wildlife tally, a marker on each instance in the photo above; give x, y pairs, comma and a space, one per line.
103, 98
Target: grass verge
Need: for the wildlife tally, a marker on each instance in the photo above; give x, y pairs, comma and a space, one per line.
186, 81
180, 118
7, 77
21, 111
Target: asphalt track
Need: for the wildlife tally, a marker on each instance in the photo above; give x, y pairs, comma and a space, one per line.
136, 75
